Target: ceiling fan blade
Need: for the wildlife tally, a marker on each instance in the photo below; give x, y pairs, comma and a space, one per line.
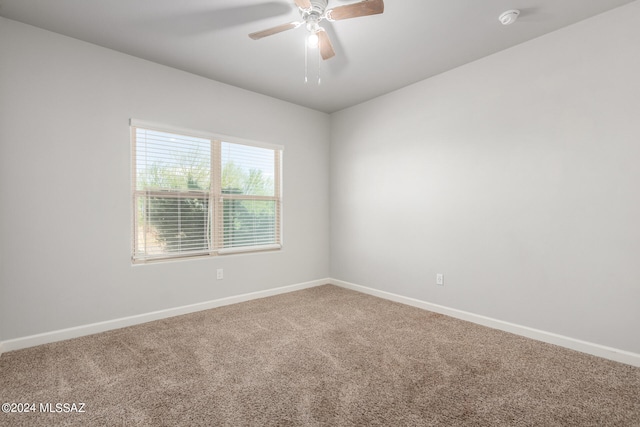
303, 4
275, 30
364, 8
324, 44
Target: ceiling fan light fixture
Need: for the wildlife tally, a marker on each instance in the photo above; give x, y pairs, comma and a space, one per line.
509, 17
312, 40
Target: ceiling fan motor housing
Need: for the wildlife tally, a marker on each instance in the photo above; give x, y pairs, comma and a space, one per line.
315, 14
319, 6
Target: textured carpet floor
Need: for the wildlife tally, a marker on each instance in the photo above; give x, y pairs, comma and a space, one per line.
321, 356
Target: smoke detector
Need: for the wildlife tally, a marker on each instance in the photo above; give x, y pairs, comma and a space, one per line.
509, 17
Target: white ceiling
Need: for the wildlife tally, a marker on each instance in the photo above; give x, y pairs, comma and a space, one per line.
412, 40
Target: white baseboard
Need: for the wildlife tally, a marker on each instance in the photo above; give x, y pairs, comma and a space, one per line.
610, 353
93, 328
548, 337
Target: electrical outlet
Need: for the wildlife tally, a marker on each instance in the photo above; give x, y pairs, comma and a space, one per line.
220, 274
440, 279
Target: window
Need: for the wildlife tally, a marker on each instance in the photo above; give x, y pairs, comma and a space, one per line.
196, 194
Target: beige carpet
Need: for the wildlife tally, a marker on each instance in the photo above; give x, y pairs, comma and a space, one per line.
322, 356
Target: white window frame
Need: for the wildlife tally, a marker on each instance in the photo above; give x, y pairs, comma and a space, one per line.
215, 194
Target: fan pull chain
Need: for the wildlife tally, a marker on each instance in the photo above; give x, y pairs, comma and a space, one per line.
306, 64
318, 60
306, 50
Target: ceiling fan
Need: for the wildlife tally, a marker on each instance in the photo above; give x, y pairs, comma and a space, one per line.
314, 11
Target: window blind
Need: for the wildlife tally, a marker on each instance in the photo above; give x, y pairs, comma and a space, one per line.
196, 196
250, 204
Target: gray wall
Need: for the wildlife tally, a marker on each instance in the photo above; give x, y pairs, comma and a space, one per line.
517, 176
65, 184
